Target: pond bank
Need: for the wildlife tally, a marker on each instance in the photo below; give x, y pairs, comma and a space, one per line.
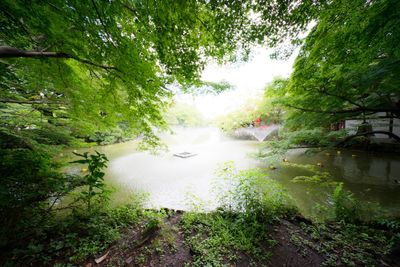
292, 241
256, 224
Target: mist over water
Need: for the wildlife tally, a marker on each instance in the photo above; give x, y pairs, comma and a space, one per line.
172, 181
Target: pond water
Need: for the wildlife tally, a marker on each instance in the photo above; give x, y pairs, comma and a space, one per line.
173, 182
371, 177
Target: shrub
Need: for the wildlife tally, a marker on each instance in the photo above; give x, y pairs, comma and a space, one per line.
49, 135
314, 137
29, 185
349, 209
345, 205
248, 201
70, 239
94, 188
252, 193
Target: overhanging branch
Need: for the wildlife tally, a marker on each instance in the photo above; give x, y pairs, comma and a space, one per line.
392, 135
12, 52
341, 97
345, 111
29, 102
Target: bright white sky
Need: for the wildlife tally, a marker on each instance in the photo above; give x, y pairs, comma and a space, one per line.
248, 78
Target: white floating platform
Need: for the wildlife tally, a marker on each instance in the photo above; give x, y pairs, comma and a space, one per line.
184, 155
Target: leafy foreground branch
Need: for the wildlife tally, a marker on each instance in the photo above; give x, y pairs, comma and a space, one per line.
275, 149
256, 225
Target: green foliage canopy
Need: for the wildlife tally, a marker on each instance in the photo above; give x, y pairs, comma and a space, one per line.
90, 65
348, 65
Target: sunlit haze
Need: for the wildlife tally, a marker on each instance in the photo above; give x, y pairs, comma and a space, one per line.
248, 79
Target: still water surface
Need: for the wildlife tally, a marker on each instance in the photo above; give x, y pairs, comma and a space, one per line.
371, 177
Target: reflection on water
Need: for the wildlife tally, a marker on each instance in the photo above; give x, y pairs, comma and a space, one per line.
169, 180
371, 177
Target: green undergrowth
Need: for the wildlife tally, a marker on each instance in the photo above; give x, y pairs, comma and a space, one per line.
38, 229
70, 240
239, 229
345, 244
74, 238
221, 238
352, 234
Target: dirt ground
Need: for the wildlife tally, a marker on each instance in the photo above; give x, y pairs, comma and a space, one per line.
165, 246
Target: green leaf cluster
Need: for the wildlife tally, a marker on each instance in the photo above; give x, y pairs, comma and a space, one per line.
95, 188
348, 65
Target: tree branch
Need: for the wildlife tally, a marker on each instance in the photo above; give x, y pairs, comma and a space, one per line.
12, 52
356, 110
392, 135
102, 23
324, 91
132, 11
41, 102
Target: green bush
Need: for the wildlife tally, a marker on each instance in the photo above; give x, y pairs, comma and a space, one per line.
349, 209
73, 238
346, 207
249, 202
252, 193
33, 232
36, 232
111, 137
345, 244
336, 136
49, 135
361, 142
94, 188
29, 186
218, 237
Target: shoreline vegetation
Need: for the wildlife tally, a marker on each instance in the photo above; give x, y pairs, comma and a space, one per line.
256, 224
